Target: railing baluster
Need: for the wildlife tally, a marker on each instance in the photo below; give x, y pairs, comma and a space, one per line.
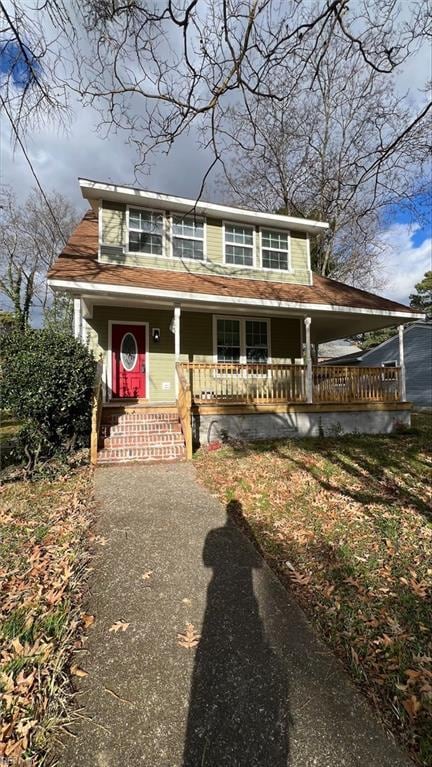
260, 383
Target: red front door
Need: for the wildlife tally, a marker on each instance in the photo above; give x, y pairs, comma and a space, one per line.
128, 361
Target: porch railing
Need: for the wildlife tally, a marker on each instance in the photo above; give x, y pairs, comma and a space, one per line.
96, 412
246, 383
184, 405
356, 384
273, 383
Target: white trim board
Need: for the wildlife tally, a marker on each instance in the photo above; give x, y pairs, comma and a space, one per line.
94, 190
205, 298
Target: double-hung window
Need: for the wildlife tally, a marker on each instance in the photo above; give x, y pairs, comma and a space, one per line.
256, 341
146, 231
239, 245
275, 250
187, 237
242, 340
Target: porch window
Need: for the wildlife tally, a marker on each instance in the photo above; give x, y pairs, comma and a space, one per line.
275, 250
242, 340
187, 237
239, 242
228, 340
145, 232
256, 341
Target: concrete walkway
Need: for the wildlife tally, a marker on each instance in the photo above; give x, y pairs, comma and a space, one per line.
257, 691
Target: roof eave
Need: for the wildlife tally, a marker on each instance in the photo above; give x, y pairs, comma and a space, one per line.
80, 287
96, 190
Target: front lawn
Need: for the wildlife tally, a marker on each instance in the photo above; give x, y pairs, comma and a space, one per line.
43, 558
346, 522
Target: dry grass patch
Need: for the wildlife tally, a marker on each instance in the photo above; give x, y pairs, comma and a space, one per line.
347, 523
43, 562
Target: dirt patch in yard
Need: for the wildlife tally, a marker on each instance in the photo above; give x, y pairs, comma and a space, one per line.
347, 525
44, 556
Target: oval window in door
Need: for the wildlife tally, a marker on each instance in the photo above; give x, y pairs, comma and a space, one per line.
128, 351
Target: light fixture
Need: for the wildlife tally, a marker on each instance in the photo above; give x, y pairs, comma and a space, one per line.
156, 335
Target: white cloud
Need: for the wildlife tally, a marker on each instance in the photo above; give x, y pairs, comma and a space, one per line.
404, 263
59, 157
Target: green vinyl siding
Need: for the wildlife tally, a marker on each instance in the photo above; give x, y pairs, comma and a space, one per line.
196, 341
112, 227
196, 337
113, 250
285, 339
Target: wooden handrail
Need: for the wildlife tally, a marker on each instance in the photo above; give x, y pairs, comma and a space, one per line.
266, 383
96, 412
246, 382
334, 383
184, 407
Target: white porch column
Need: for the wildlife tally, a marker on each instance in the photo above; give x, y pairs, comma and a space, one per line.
177, 313
309, 371
77, 317
403, 395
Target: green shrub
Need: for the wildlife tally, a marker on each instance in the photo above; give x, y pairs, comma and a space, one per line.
46, 381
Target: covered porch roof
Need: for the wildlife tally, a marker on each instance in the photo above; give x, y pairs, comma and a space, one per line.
337, 310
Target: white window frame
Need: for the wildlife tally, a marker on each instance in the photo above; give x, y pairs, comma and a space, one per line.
242, 321
286, 232
144, 252
202, 220
390, 364
253, 246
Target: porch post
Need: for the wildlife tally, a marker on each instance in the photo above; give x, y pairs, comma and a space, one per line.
176, 343
402, 390
77, 317
309, 371
177, 333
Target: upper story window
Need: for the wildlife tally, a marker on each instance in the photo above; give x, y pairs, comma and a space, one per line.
275, 250
146, 231
239, 244
188, 237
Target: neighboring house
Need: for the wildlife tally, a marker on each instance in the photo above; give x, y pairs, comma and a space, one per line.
417, 358
200, 311
333, 349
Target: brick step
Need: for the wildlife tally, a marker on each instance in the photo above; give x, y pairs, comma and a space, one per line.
144, 453
138, 417
132, 440
136, 427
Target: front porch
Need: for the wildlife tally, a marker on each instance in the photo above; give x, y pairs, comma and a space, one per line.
217, 402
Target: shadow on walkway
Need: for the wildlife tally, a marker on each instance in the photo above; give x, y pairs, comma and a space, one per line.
239, 702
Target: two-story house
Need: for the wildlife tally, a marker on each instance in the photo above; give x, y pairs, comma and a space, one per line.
207, 313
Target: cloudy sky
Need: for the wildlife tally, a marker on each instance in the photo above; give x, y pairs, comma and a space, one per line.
60, 156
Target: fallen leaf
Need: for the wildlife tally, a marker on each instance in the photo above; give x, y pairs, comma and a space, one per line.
88, 620
147, 575
412, 706
77, 671
190, 638
119, 626
16, 644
